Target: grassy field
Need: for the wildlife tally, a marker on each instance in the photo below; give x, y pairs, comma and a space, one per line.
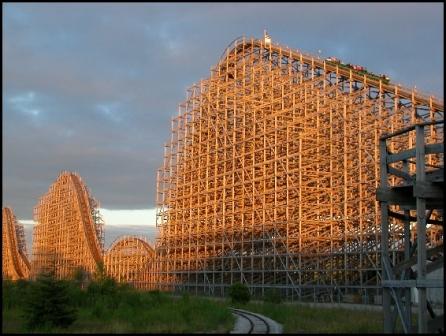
124, 310
300, 319
175, 316
127, 311
168, 316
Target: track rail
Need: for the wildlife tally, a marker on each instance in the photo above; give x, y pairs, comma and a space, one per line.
87, 222
258, 325
20, 263
129, 260
13, 244
402, 91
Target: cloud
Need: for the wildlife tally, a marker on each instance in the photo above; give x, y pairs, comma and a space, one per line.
129, 217
121, 217
92, 87
110, 110
25, 103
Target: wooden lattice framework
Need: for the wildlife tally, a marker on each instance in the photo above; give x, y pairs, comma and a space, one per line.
270, 173
15, 264
419, 194
130, 260
68, 234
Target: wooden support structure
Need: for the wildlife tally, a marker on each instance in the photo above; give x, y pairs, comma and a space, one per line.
68, 234
270, 174
15, 264
272, 177
422, 194
130, 260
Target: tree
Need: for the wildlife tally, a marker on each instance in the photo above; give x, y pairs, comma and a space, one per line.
239, 293
49, 303
104, 288
80, 277
100, 274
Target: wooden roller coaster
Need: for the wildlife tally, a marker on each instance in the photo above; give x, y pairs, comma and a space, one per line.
69, 236
272, 177
65, 236
15, 264
130, 260
270, 174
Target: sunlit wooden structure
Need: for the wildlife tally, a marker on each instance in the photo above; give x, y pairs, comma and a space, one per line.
417, 195
15, 264
269, 176
68, 233
130, 260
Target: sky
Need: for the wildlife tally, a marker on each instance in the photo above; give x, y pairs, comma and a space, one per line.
91, 88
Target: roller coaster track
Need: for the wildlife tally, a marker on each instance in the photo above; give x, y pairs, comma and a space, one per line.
129, 259
270, 171
119, 243
87, 221
66, 236
243, 43
253, 323
19, 266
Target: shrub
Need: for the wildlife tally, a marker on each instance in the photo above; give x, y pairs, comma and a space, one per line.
49, 304
239, 293
272, 295
157, 296
14, 293
8, 294
79, 297
185, 297
130, 298
105, 290
80, 277
98, 310
103, 287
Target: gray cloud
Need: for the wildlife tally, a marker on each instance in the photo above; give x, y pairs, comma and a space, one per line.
92, 87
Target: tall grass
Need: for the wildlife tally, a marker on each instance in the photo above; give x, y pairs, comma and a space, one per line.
301, 319
112, 308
